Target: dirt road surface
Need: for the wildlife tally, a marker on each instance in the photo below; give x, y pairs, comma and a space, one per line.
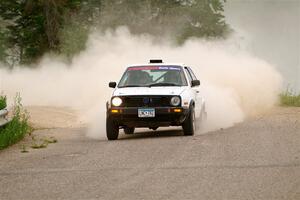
257, 159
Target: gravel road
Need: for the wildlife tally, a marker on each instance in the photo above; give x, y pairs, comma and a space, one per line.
257, 159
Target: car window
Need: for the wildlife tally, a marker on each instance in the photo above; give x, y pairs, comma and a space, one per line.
189, 75
142, 76
192, 74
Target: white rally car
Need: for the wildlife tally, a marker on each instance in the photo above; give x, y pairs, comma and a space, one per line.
154, 95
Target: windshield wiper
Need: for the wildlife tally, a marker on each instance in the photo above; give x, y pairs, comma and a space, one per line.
163, 84
133, 86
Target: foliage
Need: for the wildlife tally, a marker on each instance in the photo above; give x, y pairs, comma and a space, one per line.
42, 143
290, 98
3, 45
17, 128
179, 18
36, 27
73, 37
2, 102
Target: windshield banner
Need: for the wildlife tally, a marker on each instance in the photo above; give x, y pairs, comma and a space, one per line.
155, 68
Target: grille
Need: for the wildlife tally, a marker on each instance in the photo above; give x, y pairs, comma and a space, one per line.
147, 101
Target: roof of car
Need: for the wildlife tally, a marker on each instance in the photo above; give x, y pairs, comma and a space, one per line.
156, 64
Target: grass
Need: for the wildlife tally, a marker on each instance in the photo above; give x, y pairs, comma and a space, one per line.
290, 98
42, 143
38, 143
24, 149
2, 102
17, 128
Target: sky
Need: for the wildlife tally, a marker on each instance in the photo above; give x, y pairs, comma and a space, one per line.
271, 31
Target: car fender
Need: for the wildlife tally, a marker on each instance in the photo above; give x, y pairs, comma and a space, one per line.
186, 98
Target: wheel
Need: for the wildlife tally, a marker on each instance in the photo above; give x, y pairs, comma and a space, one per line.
198, 121
129, 130
112, 129
204, 114
153, 128
203, 117
189, 126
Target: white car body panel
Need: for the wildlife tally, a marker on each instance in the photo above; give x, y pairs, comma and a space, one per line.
188, 94
184, 92
149, 91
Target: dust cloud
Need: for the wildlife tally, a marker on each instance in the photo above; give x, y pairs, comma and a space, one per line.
235, 84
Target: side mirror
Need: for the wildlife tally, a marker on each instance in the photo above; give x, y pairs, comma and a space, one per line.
112, 84
195, 83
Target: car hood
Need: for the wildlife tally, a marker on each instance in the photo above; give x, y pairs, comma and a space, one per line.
148, 91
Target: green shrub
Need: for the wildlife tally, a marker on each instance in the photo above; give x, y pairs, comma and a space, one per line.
290, 98
2, 102
17, 128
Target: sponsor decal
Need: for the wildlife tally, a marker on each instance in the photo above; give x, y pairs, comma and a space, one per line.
154, 68
143, 68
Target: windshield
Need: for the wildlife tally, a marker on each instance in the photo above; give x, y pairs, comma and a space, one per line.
153, 76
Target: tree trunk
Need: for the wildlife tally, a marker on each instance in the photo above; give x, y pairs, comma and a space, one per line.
52, 22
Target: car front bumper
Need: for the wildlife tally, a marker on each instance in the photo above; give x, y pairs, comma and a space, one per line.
164, 116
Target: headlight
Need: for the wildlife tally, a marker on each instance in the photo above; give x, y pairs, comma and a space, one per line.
116, 101
175, 101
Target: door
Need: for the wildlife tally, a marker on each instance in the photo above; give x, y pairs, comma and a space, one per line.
195, 89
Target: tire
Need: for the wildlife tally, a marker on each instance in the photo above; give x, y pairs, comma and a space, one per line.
198, 122
203, 117
112, 129
129, 130
153, 128
189, 125
204, 114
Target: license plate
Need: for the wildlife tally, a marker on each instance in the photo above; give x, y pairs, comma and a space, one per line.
146, 112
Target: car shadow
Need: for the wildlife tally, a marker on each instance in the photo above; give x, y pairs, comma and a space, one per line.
151, 134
